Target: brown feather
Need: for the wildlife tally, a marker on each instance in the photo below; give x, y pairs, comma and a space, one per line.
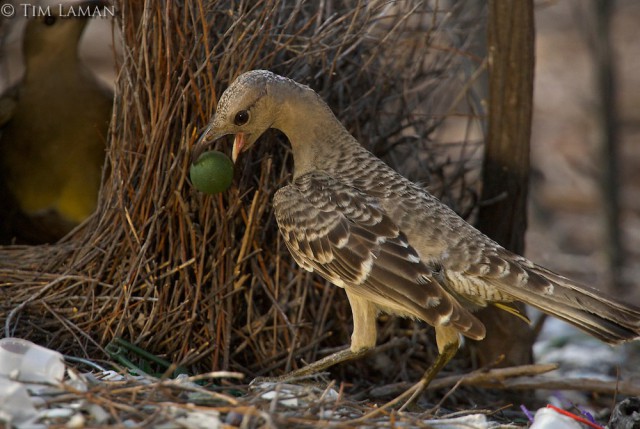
363, 251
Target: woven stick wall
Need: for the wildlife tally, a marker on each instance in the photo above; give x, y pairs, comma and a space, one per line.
205, 280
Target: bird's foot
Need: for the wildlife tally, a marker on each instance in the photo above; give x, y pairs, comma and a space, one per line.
411, 394
313, 370
416, 390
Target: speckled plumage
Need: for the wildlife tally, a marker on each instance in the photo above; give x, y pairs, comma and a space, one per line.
388, 242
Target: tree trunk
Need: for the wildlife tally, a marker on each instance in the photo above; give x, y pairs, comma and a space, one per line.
506, 163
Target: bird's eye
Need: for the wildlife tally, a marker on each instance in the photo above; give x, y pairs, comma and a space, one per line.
49, 20
241, 117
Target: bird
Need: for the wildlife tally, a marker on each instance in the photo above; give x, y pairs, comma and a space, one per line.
391, 245
52, 146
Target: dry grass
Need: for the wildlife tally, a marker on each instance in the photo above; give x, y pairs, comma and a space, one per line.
205, 280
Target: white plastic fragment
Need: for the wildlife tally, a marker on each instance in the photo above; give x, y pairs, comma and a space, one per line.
57, 413
25, 361
99, 414
476, 421
191, 418
547, 418
76, 381
76, 421
294, 395
285, 397
15, 404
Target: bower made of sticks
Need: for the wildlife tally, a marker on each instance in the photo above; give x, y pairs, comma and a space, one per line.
205, 280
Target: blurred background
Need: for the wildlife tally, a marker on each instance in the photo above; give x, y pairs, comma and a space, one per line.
567, 224
57, 74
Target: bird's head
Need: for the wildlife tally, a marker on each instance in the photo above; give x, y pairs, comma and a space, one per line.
55, 31
246, 109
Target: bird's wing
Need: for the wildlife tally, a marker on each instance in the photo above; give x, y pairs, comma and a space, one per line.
345, 236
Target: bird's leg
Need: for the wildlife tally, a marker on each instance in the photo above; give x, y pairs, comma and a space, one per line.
448, 341
363, 340
443, 358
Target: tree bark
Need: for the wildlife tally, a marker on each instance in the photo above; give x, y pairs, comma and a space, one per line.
503, 216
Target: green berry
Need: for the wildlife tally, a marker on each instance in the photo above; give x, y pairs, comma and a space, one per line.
212, 172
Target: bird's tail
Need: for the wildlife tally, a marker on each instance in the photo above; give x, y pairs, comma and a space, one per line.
606, 318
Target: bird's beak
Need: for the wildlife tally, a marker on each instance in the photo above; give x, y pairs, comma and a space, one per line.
238, 145
205, 141
209, 137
